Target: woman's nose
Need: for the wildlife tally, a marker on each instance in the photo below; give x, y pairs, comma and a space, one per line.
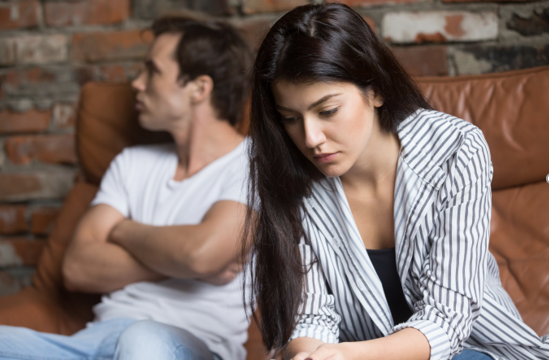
314, 135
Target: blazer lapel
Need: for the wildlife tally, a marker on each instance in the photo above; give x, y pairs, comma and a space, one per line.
330, 212
419, 177
413, 199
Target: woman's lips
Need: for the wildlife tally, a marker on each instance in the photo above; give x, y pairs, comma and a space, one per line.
325, 158
139, 105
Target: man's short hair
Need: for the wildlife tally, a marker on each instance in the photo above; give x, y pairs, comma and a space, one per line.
216, 49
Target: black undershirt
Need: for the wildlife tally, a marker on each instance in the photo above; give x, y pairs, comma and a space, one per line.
384, 261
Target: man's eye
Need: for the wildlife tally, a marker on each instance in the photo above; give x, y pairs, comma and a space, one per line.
329, 112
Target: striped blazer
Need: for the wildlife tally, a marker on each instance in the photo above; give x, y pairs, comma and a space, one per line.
442, 210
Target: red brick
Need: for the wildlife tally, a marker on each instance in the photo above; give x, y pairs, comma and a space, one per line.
257, 6
134, 69
117, 45
64, 115
423, 60
41, 184
90, 12
31, 76
15, 186
486, 1
30, 121
11, 282
55, 149
19, 14
114, 73
20, 251
85, 73
33, 49
439, 26
43, 220
364, 3
13, 219
535, 24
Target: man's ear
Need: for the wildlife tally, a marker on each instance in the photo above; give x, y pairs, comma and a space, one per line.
202, 88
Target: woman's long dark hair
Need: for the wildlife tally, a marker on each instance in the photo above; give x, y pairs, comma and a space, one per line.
311, 43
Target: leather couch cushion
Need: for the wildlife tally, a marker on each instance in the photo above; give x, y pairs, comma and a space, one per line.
46, 305
520, 243
107, 123
511, 109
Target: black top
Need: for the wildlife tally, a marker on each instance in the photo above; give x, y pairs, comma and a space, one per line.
384, 262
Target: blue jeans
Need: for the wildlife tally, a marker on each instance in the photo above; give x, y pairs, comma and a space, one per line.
117, 339
471, 355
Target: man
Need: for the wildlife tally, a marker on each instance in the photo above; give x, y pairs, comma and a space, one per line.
161, 237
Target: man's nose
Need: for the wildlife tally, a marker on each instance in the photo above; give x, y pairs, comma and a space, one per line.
314, 135
139, 82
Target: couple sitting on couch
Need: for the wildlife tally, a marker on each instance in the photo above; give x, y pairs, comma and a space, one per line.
368, 237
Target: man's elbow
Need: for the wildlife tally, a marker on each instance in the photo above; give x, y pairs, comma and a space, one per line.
72, 276
204, 263
68, 274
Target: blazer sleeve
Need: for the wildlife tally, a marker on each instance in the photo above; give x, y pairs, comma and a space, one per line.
318, 318
454, 271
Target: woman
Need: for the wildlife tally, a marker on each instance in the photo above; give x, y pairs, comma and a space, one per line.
372, 211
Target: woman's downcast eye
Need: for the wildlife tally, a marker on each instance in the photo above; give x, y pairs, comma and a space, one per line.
326, 113
329, 112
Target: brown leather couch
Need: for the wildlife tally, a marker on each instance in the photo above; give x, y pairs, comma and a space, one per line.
511, 108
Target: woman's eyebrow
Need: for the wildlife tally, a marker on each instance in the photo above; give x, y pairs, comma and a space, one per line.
316, 103
320, 101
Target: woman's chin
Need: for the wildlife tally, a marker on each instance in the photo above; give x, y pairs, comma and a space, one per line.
331, 171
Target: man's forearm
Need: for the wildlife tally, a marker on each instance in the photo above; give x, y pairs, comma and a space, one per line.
91, 264
160, 248
186, 251
102, 267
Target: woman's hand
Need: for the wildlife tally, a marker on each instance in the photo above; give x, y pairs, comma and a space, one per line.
300, 356
406, 344
341, 351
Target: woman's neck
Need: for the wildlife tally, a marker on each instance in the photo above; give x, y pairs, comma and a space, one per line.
377, 165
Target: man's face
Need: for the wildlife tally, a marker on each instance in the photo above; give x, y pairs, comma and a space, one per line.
162, 99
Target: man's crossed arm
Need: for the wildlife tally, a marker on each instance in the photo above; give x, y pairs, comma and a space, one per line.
108, 251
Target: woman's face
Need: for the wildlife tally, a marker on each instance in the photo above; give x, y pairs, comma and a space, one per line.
330, 123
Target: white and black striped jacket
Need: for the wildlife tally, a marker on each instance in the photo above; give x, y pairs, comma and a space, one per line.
442, 211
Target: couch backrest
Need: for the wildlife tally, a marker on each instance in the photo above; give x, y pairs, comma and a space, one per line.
107, 123
512, 110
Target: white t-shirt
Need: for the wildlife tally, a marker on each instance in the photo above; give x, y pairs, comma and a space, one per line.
139, 184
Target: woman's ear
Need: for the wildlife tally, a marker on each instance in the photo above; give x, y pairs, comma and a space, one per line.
202, 88
378, 99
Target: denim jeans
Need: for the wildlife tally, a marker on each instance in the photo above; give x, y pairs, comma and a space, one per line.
117, 339
471, 355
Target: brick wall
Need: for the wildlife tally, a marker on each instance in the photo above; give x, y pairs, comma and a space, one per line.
49, 48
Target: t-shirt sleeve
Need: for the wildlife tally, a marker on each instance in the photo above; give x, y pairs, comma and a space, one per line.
113, 190
235, 185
